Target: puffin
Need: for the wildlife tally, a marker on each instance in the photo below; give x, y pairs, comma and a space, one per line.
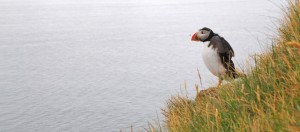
216, 53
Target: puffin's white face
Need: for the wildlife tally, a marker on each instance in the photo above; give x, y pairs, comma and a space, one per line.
201, 35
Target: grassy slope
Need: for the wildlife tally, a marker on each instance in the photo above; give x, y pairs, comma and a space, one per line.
267, 99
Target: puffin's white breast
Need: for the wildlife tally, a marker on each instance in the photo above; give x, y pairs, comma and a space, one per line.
212, 60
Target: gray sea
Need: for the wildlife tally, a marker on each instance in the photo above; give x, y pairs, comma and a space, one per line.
104, 65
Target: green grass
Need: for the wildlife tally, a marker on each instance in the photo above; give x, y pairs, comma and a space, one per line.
267, 99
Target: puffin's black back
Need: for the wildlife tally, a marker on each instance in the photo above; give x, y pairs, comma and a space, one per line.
225, 53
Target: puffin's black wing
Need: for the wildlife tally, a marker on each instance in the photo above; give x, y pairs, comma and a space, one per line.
225, 52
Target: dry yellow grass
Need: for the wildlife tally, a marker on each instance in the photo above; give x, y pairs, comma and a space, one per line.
294, 44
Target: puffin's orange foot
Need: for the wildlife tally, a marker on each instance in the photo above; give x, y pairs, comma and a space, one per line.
220, 82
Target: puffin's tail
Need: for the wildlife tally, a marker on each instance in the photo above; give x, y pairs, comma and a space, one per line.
240, 74
230, 69
235, 73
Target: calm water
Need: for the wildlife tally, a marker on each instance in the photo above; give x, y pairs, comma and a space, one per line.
103, 65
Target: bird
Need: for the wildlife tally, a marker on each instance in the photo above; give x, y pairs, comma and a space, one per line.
217, 54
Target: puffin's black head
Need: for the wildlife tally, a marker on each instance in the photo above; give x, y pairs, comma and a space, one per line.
204, 34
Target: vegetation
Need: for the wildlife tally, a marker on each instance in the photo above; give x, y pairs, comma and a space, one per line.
267, 99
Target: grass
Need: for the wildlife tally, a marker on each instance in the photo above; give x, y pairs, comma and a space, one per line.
267, 99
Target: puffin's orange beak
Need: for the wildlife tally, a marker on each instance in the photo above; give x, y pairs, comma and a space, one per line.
195, 37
